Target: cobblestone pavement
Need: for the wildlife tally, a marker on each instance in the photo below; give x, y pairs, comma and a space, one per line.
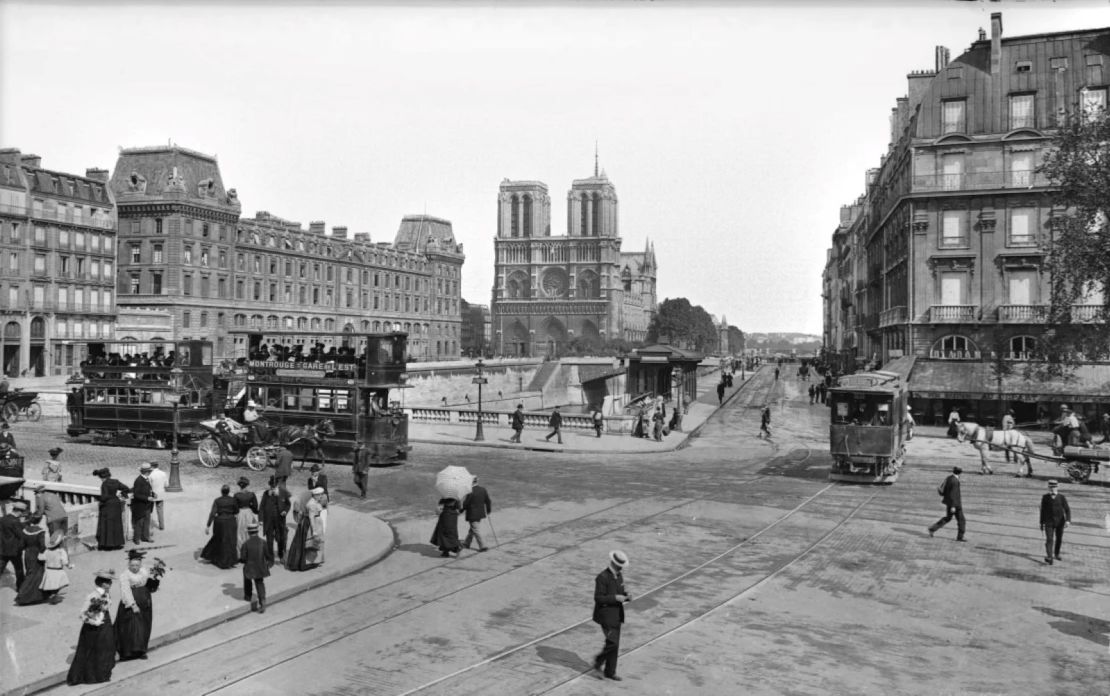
750, 574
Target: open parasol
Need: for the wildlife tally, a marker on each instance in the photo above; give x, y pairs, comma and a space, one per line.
454, 482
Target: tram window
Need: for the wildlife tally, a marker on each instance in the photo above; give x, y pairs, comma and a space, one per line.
326, 400
182, 357
206, 355
841, 411
343, 400
291, 399
307, 399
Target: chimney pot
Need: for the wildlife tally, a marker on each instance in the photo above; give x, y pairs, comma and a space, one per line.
996, 43
97, 173
339, 232
31, 161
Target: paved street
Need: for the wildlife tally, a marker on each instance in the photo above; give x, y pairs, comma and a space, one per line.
750, 573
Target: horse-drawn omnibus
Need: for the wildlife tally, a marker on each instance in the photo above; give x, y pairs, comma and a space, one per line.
868, 427
325, 394
129, 390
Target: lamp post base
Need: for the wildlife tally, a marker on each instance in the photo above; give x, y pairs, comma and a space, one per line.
174, 485
479, 436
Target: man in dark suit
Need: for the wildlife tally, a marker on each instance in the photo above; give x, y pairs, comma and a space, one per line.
283, 469
609, 599
256, 558
142, 504
477, 505
275, 505
316, 479
518, 423
11, 540
953, 504
1055, 516
361, 471
556, 423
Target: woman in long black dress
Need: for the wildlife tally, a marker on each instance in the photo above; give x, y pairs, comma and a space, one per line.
34, 543
109, 525
302, 551
247, 513
96, 645
446, 534
220, 549
135, 615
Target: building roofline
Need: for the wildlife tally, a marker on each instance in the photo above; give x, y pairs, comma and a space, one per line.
165, 148
1052, 34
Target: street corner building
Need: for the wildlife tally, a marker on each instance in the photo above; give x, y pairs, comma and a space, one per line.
57, 264
940, 263
550, 291
190, 266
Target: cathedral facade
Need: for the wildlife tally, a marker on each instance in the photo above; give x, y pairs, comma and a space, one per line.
552, 293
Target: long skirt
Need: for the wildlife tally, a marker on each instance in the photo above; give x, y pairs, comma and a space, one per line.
245, 518
109, 525
302, 552
133, 627
446, 533
95, 656
30, 591
220, 549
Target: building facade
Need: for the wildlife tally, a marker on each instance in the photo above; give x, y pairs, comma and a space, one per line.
551, 291
186, 249
58, 256
943, 256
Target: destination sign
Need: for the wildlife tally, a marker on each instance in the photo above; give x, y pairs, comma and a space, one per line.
284, 365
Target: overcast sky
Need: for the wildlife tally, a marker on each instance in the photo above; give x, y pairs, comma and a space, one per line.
733, 132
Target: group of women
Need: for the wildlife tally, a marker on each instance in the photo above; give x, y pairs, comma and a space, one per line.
45, 562
231, 515
100, 639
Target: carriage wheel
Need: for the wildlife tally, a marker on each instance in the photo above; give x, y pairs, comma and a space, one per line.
11, 412
257, 459
210, 453
34, 412
1079, 471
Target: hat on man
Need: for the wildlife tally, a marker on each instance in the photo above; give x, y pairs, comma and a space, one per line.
243, 481
251, 404
520, 405
318, 491
103, 473
314, 467
145, 466
618, 559
272, 482
55, 451
1052, 483
1065, 407
135, 555
252, 528
957, 470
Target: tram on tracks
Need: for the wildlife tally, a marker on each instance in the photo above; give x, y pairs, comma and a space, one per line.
130, 393
328, 395
868, 427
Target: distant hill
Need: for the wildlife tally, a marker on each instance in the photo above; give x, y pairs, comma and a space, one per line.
782, 342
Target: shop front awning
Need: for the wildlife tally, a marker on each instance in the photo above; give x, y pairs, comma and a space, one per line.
950, 379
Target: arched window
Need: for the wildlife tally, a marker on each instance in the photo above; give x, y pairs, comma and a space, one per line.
527, 231
329, 325
377, 327
514, 216
1022, 348
315, 323
595, 228
585, 215
955, 347
302, 323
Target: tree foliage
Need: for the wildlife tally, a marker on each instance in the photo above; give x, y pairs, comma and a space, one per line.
683, 325
1078, 260
735, 340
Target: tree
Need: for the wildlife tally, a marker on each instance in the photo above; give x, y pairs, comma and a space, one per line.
735, 340
679, 323
1078, 258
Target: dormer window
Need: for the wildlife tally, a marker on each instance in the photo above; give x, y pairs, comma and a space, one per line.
1023, 66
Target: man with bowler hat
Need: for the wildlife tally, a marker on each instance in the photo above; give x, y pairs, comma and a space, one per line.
518, 423
256, 558
609, 599
953, 505
476, 505
275, 504
283, 469
1055, 516
142, 504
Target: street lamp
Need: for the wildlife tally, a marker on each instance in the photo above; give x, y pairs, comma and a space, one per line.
479, 380
174, 485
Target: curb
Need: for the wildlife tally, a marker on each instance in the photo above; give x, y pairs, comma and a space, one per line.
59, 678
555, 449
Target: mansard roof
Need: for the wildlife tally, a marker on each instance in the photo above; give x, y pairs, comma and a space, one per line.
422, 233
171, 172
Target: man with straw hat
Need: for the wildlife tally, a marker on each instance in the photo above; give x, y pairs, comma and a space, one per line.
1055, 516
256, 557
609, 599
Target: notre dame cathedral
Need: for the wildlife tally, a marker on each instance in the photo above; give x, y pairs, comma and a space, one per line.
550, 290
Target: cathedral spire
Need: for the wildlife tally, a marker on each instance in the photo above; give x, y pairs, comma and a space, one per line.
595, 160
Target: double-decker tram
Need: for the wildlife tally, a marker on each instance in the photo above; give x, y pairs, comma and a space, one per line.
326, 396
868, 428
128, 392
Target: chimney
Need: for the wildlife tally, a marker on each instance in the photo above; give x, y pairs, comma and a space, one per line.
97, 173
872, 174
31, 161
317, 227
982, 34
339, 233
262, 215
845, 214
941, 58
996, 43
10, 155
362, 237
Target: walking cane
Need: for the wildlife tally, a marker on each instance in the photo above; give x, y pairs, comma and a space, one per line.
490, 520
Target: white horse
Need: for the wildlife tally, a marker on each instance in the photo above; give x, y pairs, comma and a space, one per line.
983, 439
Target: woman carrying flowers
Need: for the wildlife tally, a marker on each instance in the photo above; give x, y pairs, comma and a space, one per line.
96, 645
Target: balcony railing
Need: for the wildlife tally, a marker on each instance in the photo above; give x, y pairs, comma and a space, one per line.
892, 316
972, 181
1087, 313
13, 209
1023, 314
952, 314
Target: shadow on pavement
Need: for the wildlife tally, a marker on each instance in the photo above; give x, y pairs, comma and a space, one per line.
566, 658
1078, 625
426, 550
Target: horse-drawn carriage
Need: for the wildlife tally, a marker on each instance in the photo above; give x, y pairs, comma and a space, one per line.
1076, 453
230, 440
18, 404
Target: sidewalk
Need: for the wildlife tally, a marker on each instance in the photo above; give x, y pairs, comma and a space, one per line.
577, 441
39, 639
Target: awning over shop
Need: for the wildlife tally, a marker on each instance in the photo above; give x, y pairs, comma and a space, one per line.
901, 366
949, 379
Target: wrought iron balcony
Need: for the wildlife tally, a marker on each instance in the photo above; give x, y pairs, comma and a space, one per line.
976, 181
1023, 314
892, 316
952, 314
